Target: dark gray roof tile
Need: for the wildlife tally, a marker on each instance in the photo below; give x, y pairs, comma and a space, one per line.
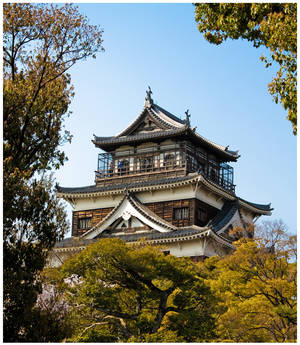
153, 235
264, 207
224, 215
94, 188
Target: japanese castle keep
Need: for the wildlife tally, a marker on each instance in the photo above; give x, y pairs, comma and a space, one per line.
162, 181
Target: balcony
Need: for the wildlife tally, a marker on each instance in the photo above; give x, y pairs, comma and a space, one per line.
117, 166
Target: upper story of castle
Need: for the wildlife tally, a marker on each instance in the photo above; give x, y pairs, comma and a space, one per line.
158, 145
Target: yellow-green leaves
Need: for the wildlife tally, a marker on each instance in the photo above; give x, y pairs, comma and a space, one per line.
141, 293
256, 290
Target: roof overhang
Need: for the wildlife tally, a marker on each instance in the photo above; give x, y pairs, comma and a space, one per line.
78, 244
196, 180
129, 207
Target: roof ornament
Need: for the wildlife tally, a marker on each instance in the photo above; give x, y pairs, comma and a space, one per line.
148, 99
187, 118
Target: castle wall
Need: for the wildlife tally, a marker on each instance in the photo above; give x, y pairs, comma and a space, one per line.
178, 193
96, 216
198, 213
197, 248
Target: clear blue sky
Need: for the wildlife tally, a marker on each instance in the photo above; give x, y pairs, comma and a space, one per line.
224, 87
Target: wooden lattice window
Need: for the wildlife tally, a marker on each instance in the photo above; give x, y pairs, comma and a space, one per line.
181, 213
146, 164
123, 166
202, 215
170, 160
84, 223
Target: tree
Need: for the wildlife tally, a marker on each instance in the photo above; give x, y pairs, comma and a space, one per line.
272, 25
136, 293
256, 288
40, 44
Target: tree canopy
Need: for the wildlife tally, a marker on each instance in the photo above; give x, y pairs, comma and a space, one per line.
137, 293
40, 44
256, 288
272, 25
118, 292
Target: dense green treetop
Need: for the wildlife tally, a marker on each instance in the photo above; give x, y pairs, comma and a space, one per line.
137, 293
256, 288
118, 292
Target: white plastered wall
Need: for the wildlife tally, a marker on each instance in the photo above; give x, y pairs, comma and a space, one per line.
197, 247
178, 193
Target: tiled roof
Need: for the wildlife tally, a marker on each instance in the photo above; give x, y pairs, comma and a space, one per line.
265, 208
153, 235
110, 142
166, 116
121, 186
172, 126
169, 120
137, 137
148, 213
140, 208
224, 216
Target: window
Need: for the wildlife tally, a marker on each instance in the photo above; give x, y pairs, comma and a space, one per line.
170, 160
181, 213
201, 168
202, 215
146, 164
123, 166
213, 175
84, 223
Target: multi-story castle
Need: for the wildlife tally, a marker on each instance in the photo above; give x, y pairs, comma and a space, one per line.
162, 181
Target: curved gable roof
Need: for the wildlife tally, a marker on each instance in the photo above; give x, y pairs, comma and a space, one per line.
169, 125
130, 205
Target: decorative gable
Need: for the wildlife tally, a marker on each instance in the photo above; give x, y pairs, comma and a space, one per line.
147, 123
129, 215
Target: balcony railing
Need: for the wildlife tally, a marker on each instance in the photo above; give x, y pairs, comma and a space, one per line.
110, 165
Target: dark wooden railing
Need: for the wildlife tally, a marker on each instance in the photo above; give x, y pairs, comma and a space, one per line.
113, 165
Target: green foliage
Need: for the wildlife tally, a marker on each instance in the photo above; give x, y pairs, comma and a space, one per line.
95, 334
256, 289
134, 293
272, 25
40, 43
161, 336
46, 326
138, 294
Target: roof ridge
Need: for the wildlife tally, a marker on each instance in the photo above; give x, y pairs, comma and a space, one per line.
132, 124
162, 120
106, 217
170, 115
147, 212
264, 207
224, 215
144, 210
123, 186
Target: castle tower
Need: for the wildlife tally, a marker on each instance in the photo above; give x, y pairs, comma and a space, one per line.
162, 181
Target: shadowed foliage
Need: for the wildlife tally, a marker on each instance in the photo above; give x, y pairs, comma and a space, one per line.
40, 44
